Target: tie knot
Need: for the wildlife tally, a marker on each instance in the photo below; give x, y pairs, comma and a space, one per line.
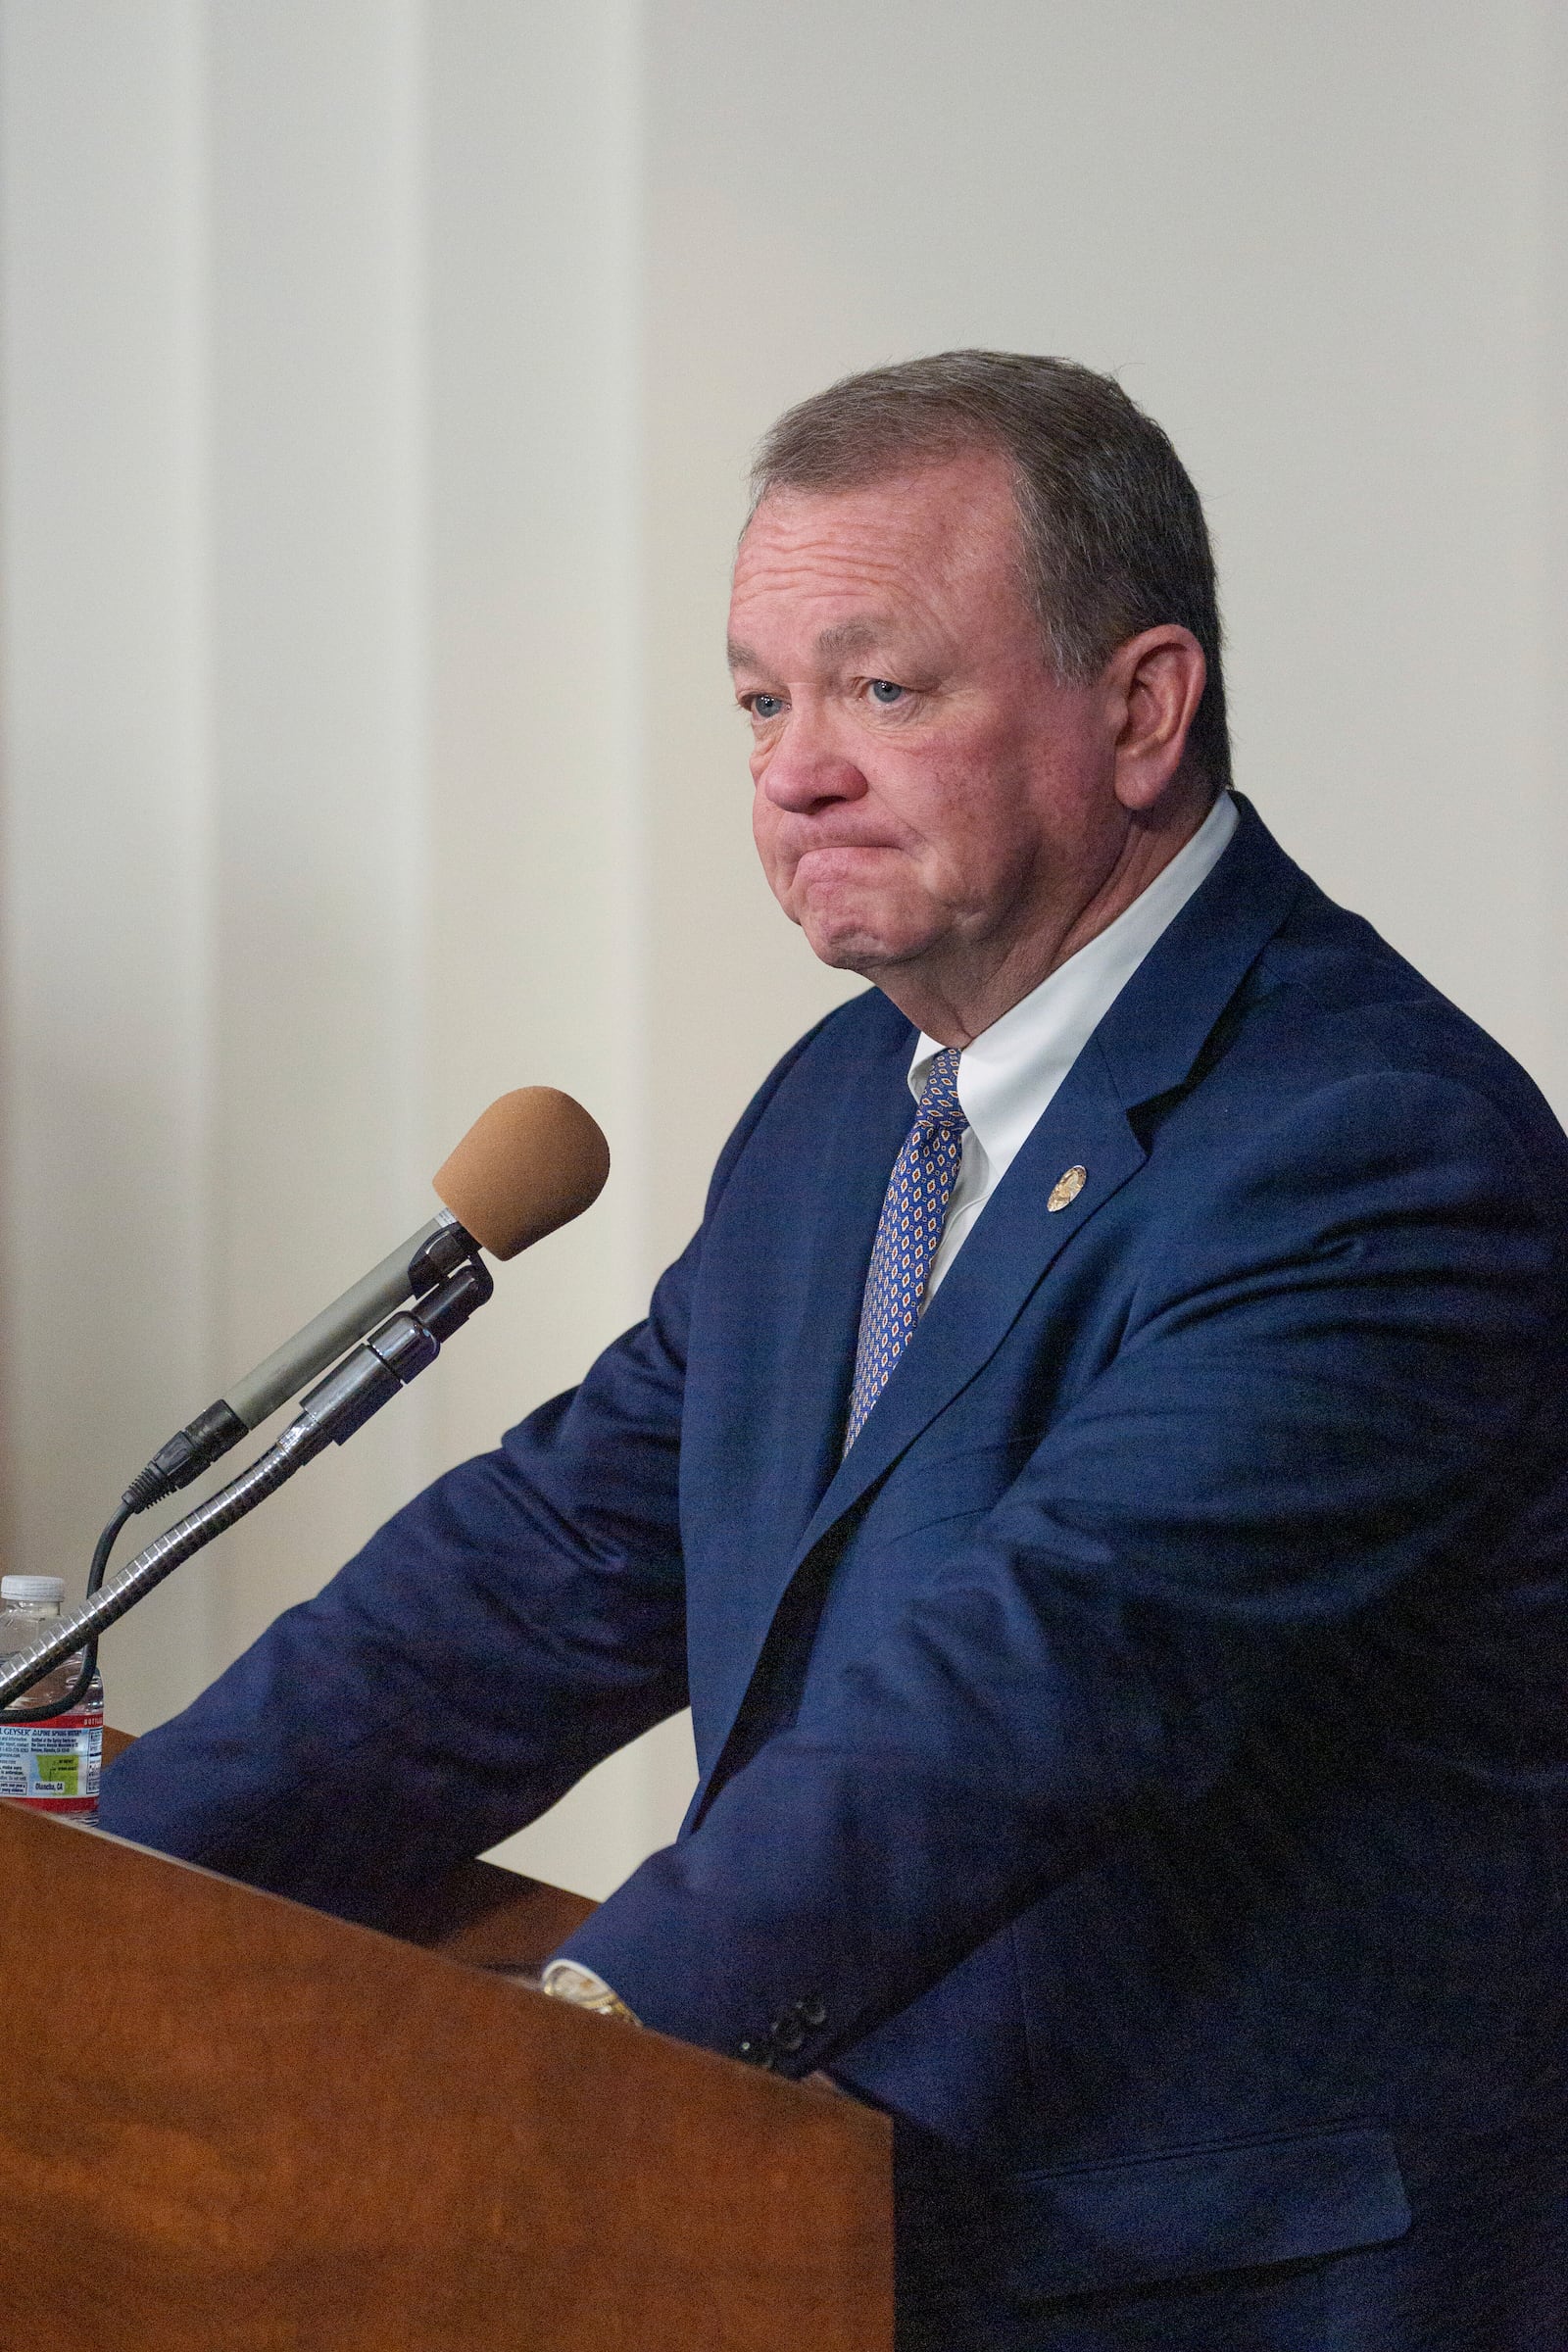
939, 1096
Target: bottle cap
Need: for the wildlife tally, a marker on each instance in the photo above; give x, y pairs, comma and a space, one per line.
34, 1587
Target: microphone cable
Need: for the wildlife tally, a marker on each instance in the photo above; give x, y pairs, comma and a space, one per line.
47, 1709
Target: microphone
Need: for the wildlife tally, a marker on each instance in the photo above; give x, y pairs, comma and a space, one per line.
531, 1162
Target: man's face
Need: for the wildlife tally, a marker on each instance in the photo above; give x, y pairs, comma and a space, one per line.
927, 794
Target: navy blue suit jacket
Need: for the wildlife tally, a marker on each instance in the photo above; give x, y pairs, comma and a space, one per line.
1142, 1764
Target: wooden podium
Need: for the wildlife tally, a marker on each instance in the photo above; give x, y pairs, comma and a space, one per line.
235, 2125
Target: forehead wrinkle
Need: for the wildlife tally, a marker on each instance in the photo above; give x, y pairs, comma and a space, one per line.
843, 564
891, 577
886, 526
881, 581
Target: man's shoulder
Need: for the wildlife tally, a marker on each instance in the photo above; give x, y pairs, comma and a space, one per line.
1338, 1071
1330, 996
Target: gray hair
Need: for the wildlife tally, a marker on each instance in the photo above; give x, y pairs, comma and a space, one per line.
1114, 539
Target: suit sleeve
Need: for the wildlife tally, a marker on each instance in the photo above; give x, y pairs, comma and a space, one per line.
1280, 1491
519, 1621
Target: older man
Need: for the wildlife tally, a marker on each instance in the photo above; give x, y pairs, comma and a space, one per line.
1109, 1512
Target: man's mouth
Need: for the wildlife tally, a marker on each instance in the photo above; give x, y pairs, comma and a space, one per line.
844, 849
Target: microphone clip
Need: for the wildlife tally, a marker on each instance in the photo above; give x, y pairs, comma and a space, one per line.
440, 1253
406, 1343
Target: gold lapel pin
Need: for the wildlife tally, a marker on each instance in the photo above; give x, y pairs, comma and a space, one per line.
1067, 1187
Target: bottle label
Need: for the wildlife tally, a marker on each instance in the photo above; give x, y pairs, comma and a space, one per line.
53, 1766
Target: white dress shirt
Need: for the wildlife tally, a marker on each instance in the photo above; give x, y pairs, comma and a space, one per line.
1008, 1073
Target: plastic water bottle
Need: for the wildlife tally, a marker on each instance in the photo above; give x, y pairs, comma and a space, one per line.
52, 1766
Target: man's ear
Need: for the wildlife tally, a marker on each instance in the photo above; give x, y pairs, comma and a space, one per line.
1155, 683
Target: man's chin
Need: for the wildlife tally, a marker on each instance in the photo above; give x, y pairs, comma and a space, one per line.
858, 929
858, 947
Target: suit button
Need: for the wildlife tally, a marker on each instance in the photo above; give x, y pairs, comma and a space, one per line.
812, 2011
787, 2033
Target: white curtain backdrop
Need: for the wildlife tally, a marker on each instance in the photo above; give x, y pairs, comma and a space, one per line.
377, 383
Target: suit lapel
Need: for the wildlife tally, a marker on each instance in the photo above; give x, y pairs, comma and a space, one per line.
1009, 1253
1145, 1046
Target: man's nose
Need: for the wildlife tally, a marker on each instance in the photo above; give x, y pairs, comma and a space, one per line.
805, 769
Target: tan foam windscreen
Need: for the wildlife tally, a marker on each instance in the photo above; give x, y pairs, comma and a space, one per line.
533, 1161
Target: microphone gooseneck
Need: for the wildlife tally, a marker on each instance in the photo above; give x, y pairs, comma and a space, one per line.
329, 1415
165, 1553
528, 1164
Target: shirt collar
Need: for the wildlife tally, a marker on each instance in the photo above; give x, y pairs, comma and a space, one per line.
1008, 1073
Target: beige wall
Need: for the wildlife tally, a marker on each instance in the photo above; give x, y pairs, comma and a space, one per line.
377, 383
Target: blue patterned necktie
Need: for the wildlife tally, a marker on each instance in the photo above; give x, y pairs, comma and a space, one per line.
907, 1237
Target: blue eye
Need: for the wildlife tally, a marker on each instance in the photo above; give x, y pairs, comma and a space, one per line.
765, 705
884, 691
